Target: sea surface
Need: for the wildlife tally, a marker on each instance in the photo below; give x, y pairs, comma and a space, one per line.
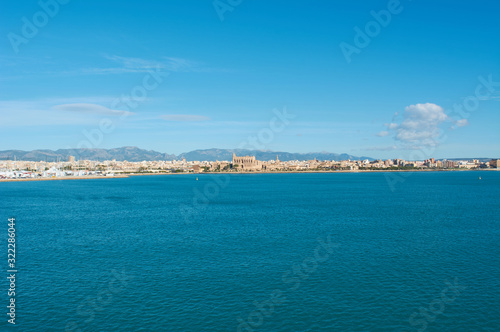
416, 251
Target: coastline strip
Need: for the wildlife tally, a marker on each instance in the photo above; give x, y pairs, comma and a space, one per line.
269, 172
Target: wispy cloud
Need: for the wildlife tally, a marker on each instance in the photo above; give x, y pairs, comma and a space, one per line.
382, 148
184, 117
490, 97
56, 111
461, 122
90, 109
126, 65
383, 133
168, 63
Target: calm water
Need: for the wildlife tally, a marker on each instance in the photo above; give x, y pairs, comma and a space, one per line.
316, 252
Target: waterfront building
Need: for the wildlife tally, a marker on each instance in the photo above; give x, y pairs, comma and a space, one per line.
246, 163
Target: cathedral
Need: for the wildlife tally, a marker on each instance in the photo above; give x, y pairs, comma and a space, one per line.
246, 163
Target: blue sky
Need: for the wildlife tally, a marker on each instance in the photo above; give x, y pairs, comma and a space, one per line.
175, 76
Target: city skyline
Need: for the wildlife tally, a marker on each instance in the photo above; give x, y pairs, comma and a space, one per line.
136, 154
385, 79
12, 170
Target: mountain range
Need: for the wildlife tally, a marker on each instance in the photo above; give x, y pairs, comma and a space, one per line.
132, 153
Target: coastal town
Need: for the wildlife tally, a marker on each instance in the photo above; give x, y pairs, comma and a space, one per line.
72, 168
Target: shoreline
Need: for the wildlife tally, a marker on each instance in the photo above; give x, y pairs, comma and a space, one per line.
64, 178
265, 172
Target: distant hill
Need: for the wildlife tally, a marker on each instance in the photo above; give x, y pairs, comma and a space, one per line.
129, 153
132, 153
227, 154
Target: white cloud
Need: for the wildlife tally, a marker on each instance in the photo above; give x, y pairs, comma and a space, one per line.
420, 124
90, 108
461, 123
184, 117
383, 133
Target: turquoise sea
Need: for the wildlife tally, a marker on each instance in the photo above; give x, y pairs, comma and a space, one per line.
263, 252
